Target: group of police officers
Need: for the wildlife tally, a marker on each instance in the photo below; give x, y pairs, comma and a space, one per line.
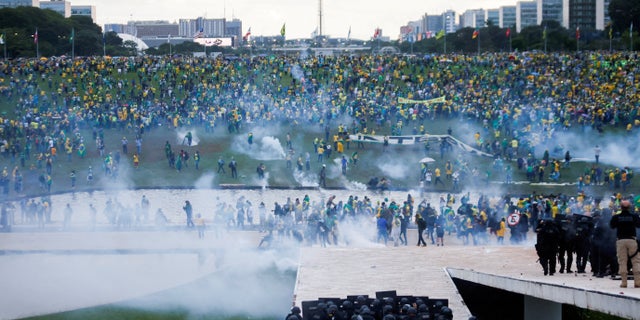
607, 239
380, 308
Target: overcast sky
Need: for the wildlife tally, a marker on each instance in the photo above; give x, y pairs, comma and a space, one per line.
266, 17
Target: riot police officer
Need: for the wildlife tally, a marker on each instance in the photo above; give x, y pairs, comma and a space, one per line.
548, 237
584, 228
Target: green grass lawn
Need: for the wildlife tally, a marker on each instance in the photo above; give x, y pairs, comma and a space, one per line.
399, 164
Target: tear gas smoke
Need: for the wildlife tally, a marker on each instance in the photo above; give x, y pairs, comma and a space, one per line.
232, 276
306, 178
617, 150
268, 148
395, 169
181, 137
205, 181
352, 185
297, 73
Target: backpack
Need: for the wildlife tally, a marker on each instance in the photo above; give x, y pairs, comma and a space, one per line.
422, 224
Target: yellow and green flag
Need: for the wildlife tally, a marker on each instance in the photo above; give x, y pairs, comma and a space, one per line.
283, 30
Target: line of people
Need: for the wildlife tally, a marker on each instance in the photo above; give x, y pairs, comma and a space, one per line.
605, 239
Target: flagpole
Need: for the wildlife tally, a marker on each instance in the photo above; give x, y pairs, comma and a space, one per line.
4, 42
631, 36
610, 36
544, 36
104, 44
445, 42
444, 27
73, 43
37, 44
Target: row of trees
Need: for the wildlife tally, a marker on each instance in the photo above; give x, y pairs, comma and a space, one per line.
549, 36
55, 36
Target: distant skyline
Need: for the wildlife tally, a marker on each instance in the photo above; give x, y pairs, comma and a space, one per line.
266, 17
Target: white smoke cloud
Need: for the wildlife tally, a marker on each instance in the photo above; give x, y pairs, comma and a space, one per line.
265, 149
181, 137
306, 178
205, 181
617, 150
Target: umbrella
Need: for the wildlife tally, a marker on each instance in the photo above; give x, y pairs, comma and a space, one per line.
427, 160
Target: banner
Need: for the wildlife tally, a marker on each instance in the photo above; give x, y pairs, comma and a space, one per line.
211, 42
430, 101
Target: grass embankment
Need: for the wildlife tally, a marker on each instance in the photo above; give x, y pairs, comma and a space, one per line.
399, 163
154, 171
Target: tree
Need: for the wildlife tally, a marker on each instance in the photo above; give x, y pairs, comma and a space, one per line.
131, 47
623, 13
88, 43
54, 31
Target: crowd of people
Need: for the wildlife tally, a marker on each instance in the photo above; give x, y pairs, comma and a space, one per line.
520, 99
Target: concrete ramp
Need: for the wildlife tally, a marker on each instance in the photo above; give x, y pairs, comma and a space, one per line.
587, 297
420, 271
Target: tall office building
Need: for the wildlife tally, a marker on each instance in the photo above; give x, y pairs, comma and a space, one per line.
60, 6
582, 14
209, 27
114, 27
473, 19
233, 29
431, 24
552, 10
19, 3
89, 11
158, 29
415, 28
587, 14
449, 19
526, 14
602, 14
507, 17
493, 16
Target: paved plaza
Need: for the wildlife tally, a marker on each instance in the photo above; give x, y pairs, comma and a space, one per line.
36, 267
